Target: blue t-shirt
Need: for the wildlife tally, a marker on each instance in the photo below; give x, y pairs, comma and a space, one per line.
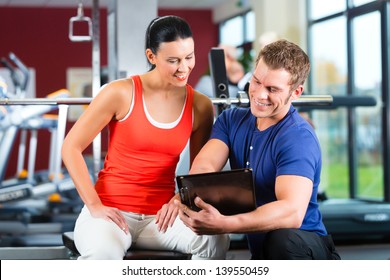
289, 147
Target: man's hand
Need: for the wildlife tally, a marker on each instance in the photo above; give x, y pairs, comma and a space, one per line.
207, 221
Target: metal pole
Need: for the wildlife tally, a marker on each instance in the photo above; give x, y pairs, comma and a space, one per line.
309, 100
96, 145
61, 127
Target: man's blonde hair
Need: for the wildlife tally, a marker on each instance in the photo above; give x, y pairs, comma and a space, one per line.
286, 55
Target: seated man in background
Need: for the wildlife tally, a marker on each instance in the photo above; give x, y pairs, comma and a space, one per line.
283, 151
235, 73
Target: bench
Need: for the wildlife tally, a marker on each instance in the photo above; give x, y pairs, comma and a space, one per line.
131, 254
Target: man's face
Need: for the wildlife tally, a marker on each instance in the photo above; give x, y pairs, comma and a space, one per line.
270, 93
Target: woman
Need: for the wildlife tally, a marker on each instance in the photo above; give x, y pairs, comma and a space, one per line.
151, 117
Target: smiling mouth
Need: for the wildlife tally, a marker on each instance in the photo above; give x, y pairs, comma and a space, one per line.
261, 104
181, 77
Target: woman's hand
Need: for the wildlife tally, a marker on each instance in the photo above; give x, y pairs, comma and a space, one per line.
109, 214
166, 216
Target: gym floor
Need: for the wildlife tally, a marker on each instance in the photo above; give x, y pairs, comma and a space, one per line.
365, 250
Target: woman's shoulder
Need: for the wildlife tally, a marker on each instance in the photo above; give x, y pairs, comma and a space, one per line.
202, 101
120, 84
116, 95
117, 88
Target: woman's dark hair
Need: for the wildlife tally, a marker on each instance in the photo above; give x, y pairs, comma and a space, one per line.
165, 29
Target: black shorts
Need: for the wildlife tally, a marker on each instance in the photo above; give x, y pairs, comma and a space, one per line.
296, 244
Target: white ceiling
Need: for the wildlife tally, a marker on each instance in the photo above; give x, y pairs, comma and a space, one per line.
187, 4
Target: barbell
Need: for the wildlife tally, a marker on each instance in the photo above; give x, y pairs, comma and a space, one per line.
241, 100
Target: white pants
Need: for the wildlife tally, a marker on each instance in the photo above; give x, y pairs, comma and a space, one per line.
96, 238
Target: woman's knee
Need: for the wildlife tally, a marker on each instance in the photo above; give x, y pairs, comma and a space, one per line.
210, 246
108, 247
102, 253
99, 239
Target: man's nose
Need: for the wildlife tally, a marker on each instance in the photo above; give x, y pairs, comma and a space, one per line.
260, 92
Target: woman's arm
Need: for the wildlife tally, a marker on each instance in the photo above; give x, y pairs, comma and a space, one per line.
203, 122
111, 103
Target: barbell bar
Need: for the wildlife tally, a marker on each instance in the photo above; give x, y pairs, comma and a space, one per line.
304, 100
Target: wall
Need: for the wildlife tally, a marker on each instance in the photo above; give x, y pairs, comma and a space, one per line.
128, 35
39, 37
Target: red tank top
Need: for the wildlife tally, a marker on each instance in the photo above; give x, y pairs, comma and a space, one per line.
139, 169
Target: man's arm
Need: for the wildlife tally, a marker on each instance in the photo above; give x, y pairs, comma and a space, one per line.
212, 157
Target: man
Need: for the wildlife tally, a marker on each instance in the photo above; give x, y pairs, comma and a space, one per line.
283, 151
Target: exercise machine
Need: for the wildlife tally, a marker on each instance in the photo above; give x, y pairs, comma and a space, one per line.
354, 219
27, 217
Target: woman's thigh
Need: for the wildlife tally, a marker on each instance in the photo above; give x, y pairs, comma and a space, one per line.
96, 238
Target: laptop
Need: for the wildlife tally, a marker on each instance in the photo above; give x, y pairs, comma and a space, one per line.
230, 191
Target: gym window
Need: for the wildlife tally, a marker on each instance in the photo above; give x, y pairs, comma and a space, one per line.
349, 54
239, 31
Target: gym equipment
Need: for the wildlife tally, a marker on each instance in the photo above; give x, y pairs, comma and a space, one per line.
218, 73
218, 76
28, 218
25, 201
131, 254
356, 219
24, 117
80, 18
241, 100
20, 74
344, 102
94, 36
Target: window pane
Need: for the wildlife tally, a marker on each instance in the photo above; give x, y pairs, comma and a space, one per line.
250, 27
367, 81
329, 76
331, 129
321, 8
329, 57
231, 31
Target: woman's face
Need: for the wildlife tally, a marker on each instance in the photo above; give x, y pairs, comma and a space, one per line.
175, 61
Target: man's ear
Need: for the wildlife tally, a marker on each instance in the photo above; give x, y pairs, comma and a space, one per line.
297, 92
